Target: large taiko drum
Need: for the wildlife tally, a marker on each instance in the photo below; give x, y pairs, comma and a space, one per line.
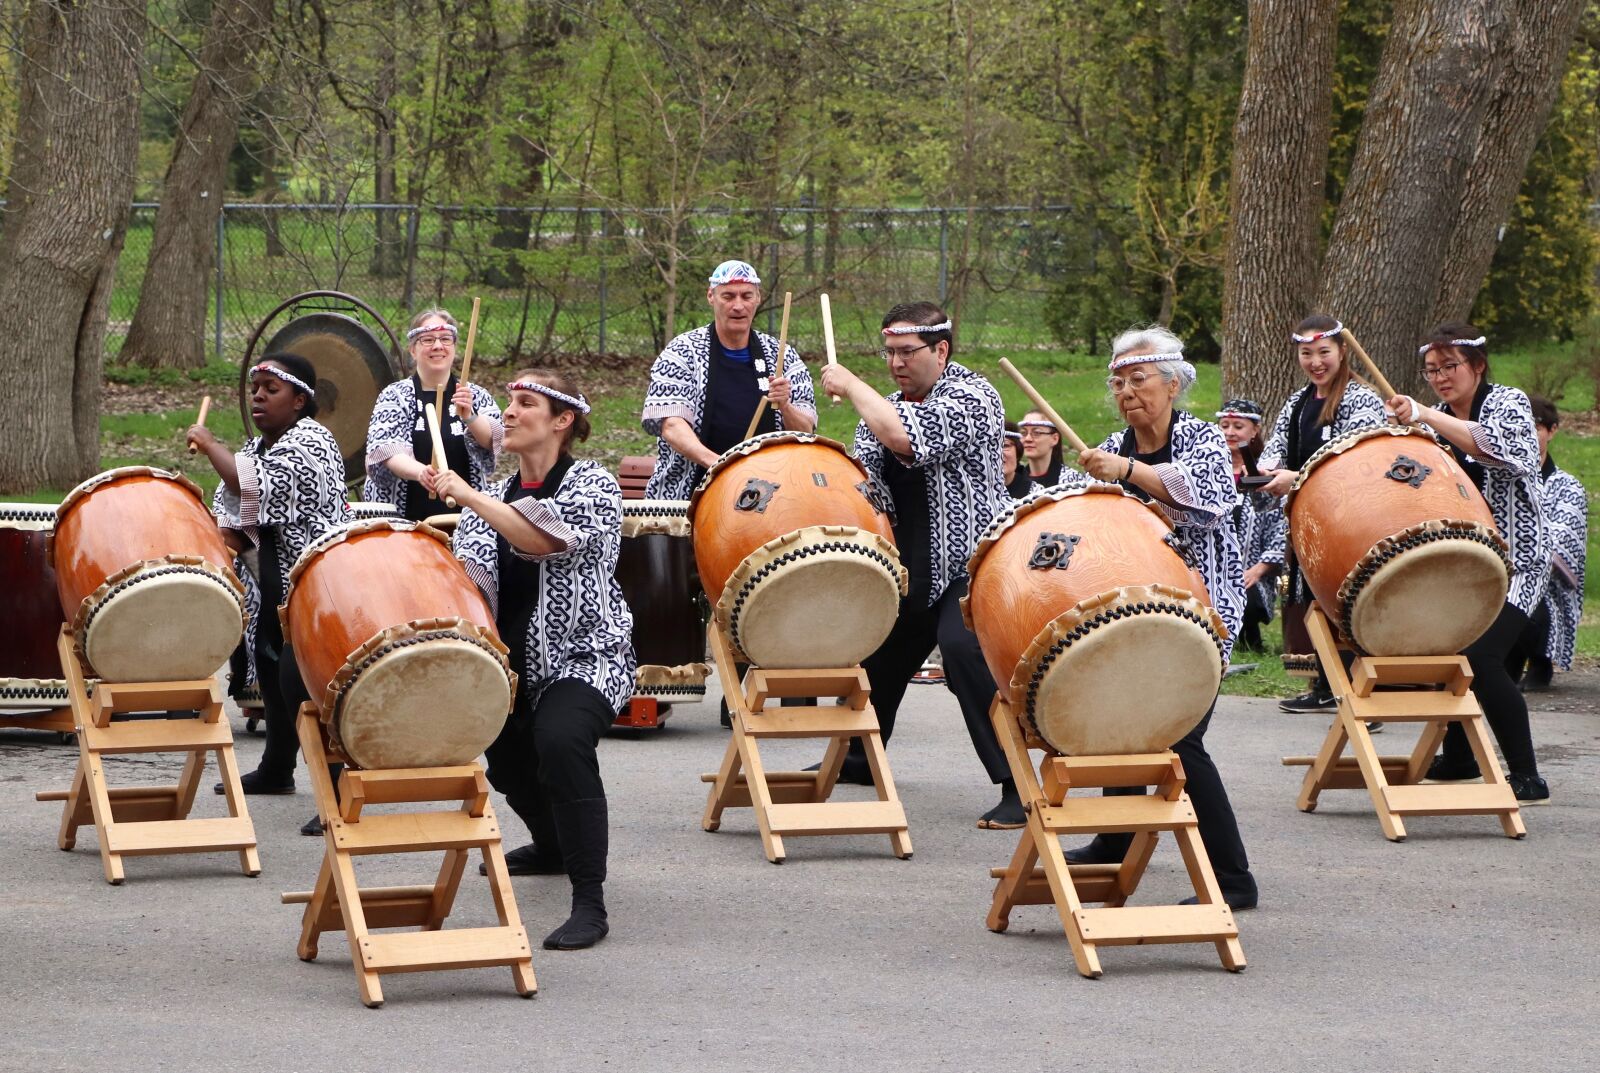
657, 575
1397, 544
143, 573
795, 554
30, 667
1091, 622
397, 647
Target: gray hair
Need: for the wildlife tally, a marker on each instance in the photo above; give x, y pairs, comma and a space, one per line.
1155, 339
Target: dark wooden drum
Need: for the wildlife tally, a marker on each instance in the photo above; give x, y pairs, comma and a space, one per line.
1091, 622
657, 574
397, 647
142, 571
1397, 544
796, 556
30, 667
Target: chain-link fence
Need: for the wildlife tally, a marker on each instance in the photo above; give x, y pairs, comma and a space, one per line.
586, 281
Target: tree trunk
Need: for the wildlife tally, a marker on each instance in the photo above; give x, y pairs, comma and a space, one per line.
1280, 159
168, 328
1531, 80
1383, 271
67, 207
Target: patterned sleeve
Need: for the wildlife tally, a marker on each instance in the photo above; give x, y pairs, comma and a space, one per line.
389, 430
672, 388
1361, 408
869, 452
1270, 537
803, 392
476, 545
1566, 508
586, 508
1278, 441
482, 403
225, 506
300, 477
1200, 476
1504, 433
950, 422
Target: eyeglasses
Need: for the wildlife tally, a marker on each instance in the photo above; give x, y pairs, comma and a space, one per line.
434, 340
1439, 372
1135, 381
1037, 433
889, 353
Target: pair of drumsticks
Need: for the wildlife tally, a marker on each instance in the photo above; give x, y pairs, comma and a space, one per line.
783, 343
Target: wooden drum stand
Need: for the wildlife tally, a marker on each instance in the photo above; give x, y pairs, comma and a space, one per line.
1394, 782
1040, 875
338, 904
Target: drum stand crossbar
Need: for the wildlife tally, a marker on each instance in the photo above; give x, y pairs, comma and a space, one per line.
796, 802
138, 821
339, 904
1394, 782
1040, 875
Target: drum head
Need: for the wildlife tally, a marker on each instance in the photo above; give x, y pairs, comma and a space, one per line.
429, 704
164, 627
1436, 598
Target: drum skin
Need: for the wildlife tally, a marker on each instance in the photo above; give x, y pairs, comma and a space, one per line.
397, 647
656, 572
1397, 544
140, 560
29, 605
1113, 652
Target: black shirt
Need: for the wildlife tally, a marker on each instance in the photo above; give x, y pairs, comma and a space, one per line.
1151, 458
1021, 484
732, 395
908, 487
1473, 467
519, 577
453, 431
1051, 475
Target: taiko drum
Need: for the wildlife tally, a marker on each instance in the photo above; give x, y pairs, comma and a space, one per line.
1096, 631
795, 553
397, 647
1397, 544
30, 667
656, 572
145, 578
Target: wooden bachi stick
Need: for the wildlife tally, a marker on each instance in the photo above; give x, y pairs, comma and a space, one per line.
1043, 407
783, 342
466, 357
438, 446
827, 337
205, 409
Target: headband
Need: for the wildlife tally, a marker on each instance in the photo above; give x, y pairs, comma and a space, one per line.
734, 272
919, 329
1037, 424
286, 377
414, 332
1140, 359
1239, 413
1425, 347
1013, 435
579, 403
1314, 336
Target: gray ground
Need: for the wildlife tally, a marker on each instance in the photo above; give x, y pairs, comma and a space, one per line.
1458, 949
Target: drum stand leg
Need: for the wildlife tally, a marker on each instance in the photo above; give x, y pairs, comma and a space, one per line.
147, 820
1394, 782
338, 903
796, 802
1039, 874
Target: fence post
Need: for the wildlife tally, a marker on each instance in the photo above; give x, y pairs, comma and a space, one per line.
222, 215
411, 256
944, 256
772, 310
601, 246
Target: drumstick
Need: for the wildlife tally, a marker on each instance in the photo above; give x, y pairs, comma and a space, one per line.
783, 342
438, 447
205, 408
1043, 407
1372, 367
472, 337
827, 337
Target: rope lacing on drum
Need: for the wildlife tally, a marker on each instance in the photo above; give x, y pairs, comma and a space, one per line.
1391, 548
748, 588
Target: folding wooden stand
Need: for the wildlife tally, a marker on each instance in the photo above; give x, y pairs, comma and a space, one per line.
146, 820
1040, 875
338, 904
796, 802
1394, 782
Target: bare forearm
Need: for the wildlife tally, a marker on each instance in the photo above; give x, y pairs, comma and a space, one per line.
680, 436
406, 467
506, 520
796, 419
1452, 428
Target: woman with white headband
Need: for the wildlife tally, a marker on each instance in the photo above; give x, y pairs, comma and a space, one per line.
1333, 404
542, 546
399, 446
1489, 428
281, 492
1041, 445
1257, 518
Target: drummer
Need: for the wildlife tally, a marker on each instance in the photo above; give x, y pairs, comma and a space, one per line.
1333, 404
280, 493
1256, 518
399, 446
1489, 428
1552, 634
543, 545
1180, 463
708, 383
1041, 444
933, 449
1012, 471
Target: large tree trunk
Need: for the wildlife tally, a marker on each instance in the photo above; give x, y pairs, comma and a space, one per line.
1383, 271
66, 214
1280, 159
168, 328
1531, 80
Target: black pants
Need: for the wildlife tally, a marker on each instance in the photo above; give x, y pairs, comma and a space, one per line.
1532, 647
1503, 704
546, 754
916, 631
282, 693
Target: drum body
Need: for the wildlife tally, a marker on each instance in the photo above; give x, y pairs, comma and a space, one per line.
143, 573
30, 666
798, 560
397, 647
657, 574
1397, 544
1090, 623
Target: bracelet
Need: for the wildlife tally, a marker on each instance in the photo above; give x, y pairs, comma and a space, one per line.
1128, 476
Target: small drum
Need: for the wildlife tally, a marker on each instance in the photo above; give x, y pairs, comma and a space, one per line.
1397, 544
30, 667
142, 571
1090, 623
397, 647
657, 575
797, 556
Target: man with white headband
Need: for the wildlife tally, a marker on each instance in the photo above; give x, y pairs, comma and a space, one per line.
932, 450
708, 383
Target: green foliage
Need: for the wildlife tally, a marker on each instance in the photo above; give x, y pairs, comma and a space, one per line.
217, 373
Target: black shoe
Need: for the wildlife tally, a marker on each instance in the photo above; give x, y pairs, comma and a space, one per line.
529, 861
1312, 700
1098, 850
255, 783
1374, 727
1530, 789
1007, 815
855, 772
1538, 677
582, 827
312, 828
1443, 770
727, 717
1238, 902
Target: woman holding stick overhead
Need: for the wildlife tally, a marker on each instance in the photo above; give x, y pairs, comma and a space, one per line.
543, 547
399, 446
